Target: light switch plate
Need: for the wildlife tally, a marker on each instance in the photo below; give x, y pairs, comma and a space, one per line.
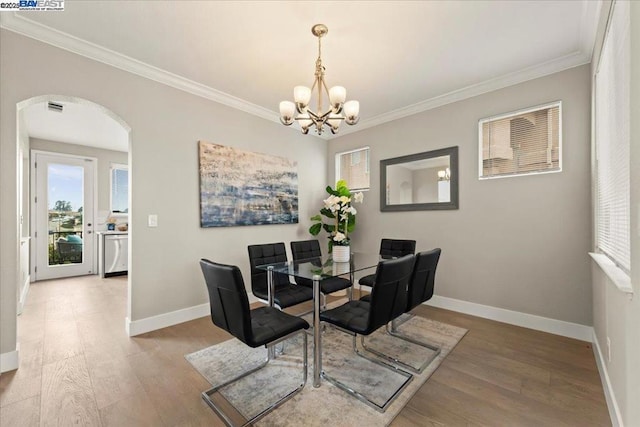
153, 220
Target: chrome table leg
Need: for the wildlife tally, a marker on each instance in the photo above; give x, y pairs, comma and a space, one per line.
317, 333
271, 351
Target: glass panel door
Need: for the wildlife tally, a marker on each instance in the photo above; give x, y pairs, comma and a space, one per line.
65, 184
63, 209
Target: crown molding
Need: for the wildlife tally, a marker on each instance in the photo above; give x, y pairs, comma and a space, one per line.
566, 62
591, 11
21, 25
588, 26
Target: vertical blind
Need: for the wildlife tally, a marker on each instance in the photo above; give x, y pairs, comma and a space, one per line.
612, 114
521, 143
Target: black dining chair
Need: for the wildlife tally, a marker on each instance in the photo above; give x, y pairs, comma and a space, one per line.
310, 249
388, 301
421, 287
389, 248
286, 294
261, 326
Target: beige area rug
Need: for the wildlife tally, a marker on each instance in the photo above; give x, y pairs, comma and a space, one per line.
326, 405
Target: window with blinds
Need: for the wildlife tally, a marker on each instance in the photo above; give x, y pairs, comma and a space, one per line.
119, 188
612, 140
523, 142
353, 167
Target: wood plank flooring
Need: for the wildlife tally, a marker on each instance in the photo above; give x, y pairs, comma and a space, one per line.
77, 367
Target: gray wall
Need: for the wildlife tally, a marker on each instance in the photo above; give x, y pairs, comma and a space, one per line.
166, 125
516, 243
105, 159
615, 315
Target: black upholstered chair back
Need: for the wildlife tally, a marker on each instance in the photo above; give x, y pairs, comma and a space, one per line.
266, 254
389, 295
397, 248
305, 249
228, 299
422, 280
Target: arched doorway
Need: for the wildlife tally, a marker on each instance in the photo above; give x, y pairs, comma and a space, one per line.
64, 120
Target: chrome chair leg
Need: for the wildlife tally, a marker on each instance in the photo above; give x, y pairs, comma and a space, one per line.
206, 395
393, 331
361, 396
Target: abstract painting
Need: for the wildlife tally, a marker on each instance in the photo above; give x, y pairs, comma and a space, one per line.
240, 187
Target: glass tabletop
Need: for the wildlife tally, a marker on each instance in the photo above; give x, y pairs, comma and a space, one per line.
324, 266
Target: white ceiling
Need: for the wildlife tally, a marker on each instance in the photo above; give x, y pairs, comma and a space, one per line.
396, 57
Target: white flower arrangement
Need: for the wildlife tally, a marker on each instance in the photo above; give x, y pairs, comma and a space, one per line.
342, 215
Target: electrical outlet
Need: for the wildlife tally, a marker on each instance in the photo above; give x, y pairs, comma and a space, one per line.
608, 350
153, 221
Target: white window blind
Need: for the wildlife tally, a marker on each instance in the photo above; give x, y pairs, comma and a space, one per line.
522, 142
119, 188
353, 167
612, 114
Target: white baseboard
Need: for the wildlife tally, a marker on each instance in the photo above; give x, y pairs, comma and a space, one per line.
539, 323
148, 324
612, 403
10, 361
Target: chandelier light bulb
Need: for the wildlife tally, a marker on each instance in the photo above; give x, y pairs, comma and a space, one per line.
334, 121
287, 110
305, 122
351, 111
337, 96
302, 95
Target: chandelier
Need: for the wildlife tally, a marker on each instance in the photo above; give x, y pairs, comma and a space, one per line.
337, 111
444, 175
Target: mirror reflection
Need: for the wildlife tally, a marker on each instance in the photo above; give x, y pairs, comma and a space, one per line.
420, 181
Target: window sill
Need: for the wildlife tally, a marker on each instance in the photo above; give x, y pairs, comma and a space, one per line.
615, 274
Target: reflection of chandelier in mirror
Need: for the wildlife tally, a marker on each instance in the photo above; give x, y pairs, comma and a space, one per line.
444, 175
338, 111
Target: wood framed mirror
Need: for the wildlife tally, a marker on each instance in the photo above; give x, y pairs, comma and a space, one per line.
422, 181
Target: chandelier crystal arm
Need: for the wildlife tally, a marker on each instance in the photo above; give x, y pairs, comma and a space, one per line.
338, 110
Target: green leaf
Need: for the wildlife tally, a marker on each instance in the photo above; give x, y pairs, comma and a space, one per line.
342, 189
328, 228
332, 191
316, 218
315, 228
327, 212
351, 224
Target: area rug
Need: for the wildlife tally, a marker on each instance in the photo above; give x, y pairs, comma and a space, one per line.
326, 405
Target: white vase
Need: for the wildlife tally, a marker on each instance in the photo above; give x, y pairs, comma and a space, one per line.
341, 253
340, 268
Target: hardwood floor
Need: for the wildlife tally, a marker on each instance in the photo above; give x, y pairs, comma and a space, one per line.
77, 366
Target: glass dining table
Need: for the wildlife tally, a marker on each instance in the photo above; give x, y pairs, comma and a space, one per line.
318, 269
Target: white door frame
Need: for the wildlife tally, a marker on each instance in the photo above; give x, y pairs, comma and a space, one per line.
34, 212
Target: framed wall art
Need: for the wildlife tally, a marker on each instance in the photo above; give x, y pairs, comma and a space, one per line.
240, 187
